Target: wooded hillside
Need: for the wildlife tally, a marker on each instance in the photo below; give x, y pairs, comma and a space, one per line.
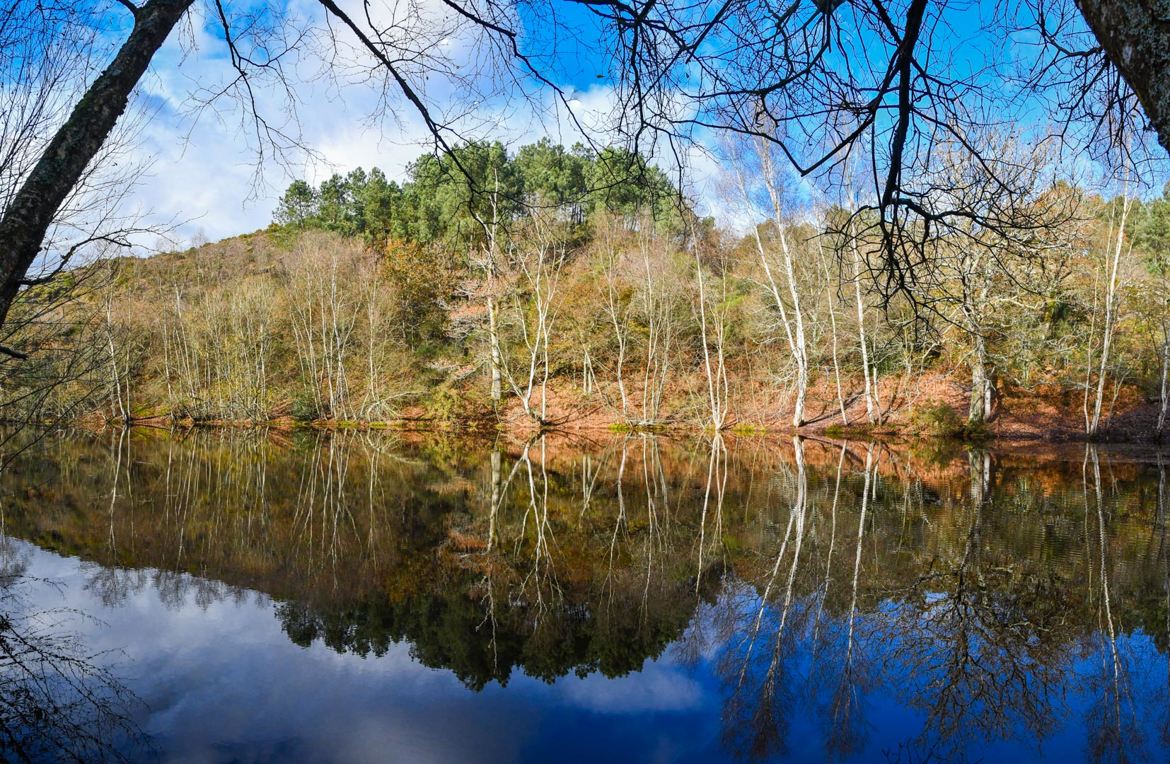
554, 287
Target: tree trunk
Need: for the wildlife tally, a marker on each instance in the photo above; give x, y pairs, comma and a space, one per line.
836, 363
982, 386
716, 375
794, 330
497, 393
982, 477
120, 408
620, 326
496, 461
1136, 37
28, 217
872, 408
1111, 268
494, 339
1165, 389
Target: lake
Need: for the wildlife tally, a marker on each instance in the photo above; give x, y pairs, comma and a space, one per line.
237, 595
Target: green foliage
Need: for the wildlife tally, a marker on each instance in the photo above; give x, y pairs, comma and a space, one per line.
298, 206
937, 420
555, 176
1149, 230
305, 407
358, 204
449, 405
941, 421
626, 184
451, 199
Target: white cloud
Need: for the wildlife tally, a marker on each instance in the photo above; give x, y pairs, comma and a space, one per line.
658, 687
222, 680
204, 166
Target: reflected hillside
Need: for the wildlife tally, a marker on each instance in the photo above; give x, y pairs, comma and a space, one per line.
990, 593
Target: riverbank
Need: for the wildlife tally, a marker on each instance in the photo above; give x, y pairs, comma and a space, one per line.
931, 406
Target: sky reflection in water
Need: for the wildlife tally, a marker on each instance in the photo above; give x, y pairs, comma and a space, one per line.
364, 599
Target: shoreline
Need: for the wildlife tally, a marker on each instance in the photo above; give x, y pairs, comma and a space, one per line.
929, 408
488, 427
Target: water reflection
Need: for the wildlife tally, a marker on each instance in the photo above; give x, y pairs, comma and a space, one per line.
759, 599
58, 699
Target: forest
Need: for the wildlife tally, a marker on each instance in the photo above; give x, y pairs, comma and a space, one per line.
588, 380
965, 238
548, 287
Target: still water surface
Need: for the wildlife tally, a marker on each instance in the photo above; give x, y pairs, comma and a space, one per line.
236, 596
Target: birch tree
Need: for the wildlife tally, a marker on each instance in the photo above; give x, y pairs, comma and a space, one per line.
1114, 246
713, 331
538, 258
869, 372
658, 313
787, 305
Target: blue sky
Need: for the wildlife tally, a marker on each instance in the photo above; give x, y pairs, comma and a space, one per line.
219, 679
204, 170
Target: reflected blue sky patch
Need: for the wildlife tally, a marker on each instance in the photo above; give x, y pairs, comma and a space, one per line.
223, 682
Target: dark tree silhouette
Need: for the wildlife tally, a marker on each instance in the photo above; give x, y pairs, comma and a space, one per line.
30, 213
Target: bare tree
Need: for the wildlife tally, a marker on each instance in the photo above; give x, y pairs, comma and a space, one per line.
788, 306
977, 274
119, 374
538, 258
617, 308
57, 700
31, 211
1112, 262
869, 372
1164, 387
658, 312
1133, 42
826, 81
325, 318
714, 339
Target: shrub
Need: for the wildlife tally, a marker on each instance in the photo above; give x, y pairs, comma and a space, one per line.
941, 421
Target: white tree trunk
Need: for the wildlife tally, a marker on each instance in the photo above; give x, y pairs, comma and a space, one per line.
872, 408
794, 328
1165, 388
1112, 265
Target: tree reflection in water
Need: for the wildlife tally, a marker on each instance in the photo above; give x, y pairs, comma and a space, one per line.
976, 634
985, 596
846, 724
1110, 722
58, 701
